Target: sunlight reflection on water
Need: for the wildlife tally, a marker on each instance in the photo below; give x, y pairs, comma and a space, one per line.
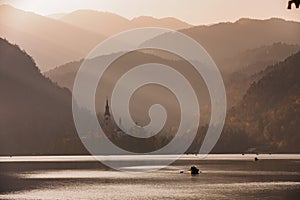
220, 179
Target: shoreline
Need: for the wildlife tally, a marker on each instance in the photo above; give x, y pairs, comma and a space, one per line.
91, 158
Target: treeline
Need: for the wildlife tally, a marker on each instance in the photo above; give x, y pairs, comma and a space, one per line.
267, 119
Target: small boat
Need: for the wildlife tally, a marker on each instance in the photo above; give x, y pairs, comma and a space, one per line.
194, 170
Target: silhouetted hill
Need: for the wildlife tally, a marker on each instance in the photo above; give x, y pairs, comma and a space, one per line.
108, 24
35, 114
269, 112
50, 42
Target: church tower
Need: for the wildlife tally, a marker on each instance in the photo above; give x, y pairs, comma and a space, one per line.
107, 113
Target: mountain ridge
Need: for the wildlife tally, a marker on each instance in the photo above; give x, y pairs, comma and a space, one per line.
92, 19
50, 42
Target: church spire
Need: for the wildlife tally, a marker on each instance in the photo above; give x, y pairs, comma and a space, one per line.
107, 113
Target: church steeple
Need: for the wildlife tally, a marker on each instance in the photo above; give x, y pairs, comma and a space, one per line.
107, 113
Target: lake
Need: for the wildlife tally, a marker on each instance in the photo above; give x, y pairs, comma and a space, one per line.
232, 176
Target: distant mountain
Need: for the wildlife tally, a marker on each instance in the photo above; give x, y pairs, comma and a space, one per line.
268, 115
64, 75
99, 22
167, 22
108, 24
226, 40
55, 42
50, 42
246, 67
254, 60
35, 114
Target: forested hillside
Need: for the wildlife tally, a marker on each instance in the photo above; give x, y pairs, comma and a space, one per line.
35, 114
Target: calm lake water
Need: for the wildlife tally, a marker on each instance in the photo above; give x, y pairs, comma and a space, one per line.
81, 177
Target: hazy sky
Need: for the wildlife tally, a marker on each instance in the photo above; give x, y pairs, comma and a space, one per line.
192, 11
